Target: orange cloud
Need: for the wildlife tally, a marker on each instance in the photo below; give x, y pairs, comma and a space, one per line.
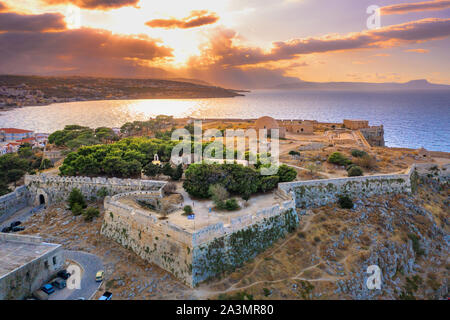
418, 50
10, 21
223, 51
414, 7
95, 4
3, 7
28, 47
195, 19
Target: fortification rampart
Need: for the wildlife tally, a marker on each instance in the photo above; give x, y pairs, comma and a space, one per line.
314, 193
183, 252
51, 188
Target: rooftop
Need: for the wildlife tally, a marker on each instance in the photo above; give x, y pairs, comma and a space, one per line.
18, 250
14, 130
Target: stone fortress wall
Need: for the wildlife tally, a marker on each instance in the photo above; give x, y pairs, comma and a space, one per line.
14, 201
185, 253
53, 188
196, 256
315, 193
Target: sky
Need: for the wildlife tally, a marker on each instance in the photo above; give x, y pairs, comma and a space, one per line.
231, 43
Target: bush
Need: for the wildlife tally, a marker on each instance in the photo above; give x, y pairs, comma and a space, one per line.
177, 172
358, 153
218, 193
45, 164
231, 205
167, 169
151, 170
269, 182
365, 161
338, 158
91, 213
345, 202
286, 173
355, 171
294, 153
77, 209
187, 210
416, 244
76, 197
102, 192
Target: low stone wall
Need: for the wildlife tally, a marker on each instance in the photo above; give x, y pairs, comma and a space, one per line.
193, 257
315, 193
55, 188
14, 201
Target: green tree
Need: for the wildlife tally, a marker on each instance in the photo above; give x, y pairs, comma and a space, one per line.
77, 209
178, 172
152, 170
14, 175
76, 197
269, 183
338, 158
286, 173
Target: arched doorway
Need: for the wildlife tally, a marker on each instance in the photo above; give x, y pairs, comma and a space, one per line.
41, 199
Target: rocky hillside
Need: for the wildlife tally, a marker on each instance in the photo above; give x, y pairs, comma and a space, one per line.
327, 257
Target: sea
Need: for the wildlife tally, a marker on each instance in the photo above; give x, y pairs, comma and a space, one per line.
411, 119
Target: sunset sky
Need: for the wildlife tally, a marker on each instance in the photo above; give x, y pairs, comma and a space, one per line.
234, 43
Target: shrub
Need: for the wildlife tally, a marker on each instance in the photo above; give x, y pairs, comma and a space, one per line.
416, 244
218, 193
268, 183
151, 170
294, 153
91, 213
187, 210
177, 172
76, 197
45, 164
338, 158
167, 169
365, 161
355, 171
358, 153
345, 202
286, 173
231, 205
102, 192
77, 209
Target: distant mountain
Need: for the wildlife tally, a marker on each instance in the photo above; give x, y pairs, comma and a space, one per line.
421, 84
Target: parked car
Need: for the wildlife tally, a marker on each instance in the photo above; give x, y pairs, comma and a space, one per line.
59, 283
100, 276
106, 296
63, 274
40, 295
48, 288
17, 229
15, 224
6, 230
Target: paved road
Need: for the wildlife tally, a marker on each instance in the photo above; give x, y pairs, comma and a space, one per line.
90, 264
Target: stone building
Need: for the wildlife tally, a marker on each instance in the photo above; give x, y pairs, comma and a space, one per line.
298, 126
26, 262
356, 124
374, 135
269, 123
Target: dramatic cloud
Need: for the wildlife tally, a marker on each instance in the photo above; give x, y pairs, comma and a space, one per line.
3, 7
223, 51
95, 4
418, 50
416, 6
195, 19
81, 51
10, 21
